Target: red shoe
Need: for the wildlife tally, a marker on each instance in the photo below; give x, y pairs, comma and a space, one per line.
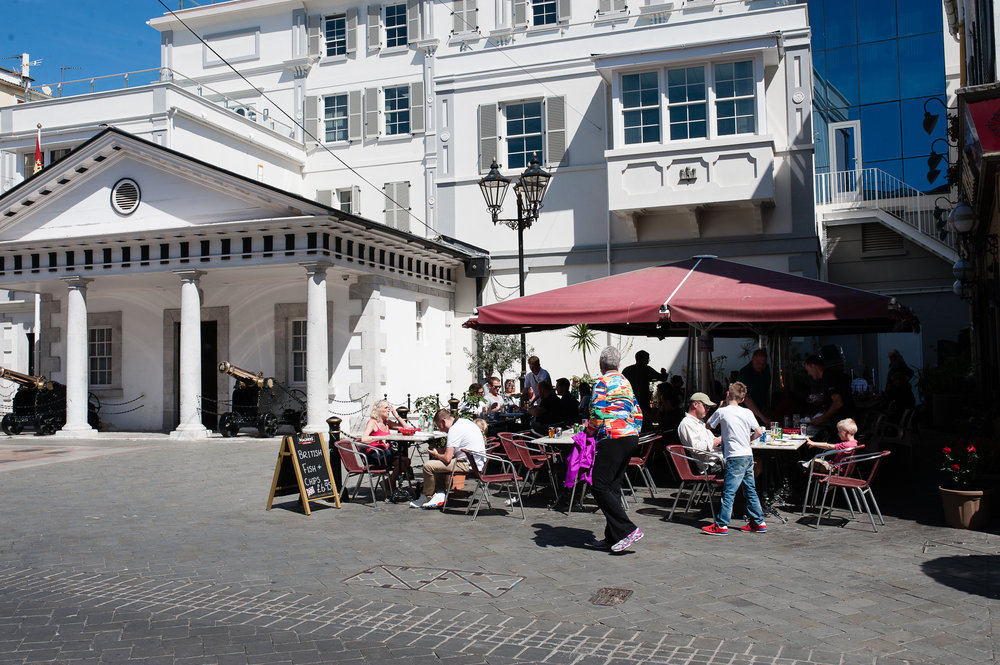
753, 527
715, 530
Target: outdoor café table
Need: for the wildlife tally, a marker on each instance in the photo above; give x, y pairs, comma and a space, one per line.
775, 466
402, 443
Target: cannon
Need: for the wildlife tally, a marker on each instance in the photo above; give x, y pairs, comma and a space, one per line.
41, 404
261, 402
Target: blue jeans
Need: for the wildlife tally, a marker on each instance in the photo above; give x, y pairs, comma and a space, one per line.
739, 471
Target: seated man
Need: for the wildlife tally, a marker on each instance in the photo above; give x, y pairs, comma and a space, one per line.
462, 435
494, 400
549, 409
570, 405
697, 438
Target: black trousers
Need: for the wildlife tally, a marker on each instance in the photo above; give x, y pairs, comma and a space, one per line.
609, 469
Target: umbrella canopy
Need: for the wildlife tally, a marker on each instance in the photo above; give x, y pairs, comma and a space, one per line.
724, 298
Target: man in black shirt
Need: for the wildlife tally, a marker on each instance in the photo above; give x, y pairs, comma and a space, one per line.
549, 408
640, 375
834, 397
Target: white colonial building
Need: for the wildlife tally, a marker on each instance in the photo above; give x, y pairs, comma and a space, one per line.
329, 188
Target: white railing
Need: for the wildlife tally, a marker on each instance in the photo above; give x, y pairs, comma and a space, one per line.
874, 189
84, 86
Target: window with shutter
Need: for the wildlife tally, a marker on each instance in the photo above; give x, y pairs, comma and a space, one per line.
397, 110
544, 12
395, 25
314, 28
523, 136
488, 137
312, 127
335, 34
520, 13
416, 107
335, 118
352, 30
464, 16
555, 130
397, 205
374, 27
354, 115
563, 10
412, 21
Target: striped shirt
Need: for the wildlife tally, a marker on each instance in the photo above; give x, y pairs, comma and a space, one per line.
613, 402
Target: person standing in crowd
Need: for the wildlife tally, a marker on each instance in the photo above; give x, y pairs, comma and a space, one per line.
615, 421
534, 376
695, 435
739, 428
568, 403
834, 397
640, 375
756, 376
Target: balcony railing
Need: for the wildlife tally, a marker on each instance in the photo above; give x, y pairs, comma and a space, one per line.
874, 189
109, 82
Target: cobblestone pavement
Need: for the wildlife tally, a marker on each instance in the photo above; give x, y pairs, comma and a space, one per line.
163, 553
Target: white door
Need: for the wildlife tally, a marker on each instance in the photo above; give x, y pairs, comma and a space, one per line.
845, 159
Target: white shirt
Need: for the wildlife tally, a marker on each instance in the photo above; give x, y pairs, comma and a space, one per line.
738, 426
466, 435
492, 399
531, 380
698, 439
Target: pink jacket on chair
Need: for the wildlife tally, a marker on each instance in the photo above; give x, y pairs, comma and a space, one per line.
580, 462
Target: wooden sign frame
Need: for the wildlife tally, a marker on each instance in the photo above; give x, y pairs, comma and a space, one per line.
289, 467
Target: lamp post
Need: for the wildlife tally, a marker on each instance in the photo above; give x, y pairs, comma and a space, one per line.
529, 190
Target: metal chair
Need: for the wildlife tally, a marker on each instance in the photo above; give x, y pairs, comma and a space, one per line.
650, 443
531, 460
356, 464
484, 479
821, 477
860, 488
699, 483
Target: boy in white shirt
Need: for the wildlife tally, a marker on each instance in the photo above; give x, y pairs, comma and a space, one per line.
739, 428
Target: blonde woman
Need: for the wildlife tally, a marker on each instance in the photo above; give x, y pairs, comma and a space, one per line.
382, 421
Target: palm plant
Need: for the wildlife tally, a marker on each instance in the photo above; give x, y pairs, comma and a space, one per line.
584, 339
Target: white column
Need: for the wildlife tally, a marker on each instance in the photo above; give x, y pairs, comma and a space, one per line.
76, 361
317, 359
190, 426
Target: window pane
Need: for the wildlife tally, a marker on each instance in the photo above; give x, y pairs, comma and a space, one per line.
543, 12
877, 20
395, 25
335, 118
397, 110
879, 63
880, 133
641, 107
524, 133
920, 16
735, 98
840, 23
336, 34
921, 66
298, 350
99, 356
842, 76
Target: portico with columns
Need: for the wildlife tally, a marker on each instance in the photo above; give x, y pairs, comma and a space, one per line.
138, 309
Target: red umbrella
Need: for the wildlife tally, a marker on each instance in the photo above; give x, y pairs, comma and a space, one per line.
709, 294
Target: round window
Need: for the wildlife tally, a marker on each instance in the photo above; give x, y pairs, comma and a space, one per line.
125, 196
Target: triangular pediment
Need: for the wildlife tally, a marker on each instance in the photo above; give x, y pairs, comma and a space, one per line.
73, 197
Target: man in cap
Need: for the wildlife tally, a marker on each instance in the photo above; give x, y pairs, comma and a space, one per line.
695, 435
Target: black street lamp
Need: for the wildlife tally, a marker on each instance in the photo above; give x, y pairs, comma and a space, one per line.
530, 190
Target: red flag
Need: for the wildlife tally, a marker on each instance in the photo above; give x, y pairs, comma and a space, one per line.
38, 152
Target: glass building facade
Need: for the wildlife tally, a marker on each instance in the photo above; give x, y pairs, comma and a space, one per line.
879, 90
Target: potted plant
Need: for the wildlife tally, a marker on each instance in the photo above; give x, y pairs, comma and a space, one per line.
968, 471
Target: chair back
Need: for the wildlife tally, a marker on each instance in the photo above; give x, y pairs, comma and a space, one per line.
653, 444
350, 456
519, 453
851, 461
682, 464
848, 466
510, 449
878, 457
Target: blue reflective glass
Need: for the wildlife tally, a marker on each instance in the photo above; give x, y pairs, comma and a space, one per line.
880, 65
822, 155
880, 134
893, 167
840, 23
820, 96
921, 66
919, 174
916, 140
842, 76
920, 16
877, 20
816, 23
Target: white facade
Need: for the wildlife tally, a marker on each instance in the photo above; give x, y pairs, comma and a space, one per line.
404, 106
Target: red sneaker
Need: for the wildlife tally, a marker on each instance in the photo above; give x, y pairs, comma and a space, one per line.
715, 530
753, 527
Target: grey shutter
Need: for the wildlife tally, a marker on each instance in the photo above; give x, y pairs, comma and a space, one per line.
397, 205
619, 5
555, 130
312, 121
416, 107
352, 30
412, 21
374, 27
355, 200
520, 13
562, 9
327, 197
488, 139
464, 16
314, 30
604, 6
354, 115
371, 113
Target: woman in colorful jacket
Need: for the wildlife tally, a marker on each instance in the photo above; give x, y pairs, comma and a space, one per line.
615, 421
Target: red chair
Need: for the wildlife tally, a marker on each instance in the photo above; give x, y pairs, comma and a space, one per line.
860, 488
484, 479
699, 483
356, 463
649, 444
529, 459
821, 476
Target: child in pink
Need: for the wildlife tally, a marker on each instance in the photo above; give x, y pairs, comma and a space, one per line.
847, 430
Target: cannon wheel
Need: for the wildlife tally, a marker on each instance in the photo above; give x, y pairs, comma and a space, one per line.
301, 421
228, 427
267, 424
9, 426
46, 425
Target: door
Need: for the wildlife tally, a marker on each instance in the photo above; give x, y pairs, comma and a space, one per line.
209, 397
845, 159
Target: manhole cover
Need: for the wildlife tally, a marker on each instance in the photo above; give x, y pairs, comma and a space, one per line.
610, 596
436, 580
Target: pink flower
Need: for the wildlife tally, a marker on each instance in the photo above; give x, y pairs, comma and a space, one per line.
946, 450
955, 467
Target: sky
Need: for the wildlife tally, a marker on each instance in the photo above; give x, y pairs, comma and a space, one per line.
107, 37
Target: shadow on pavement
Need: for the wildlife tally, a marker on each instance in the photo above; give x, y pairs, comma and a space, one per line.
547, 535
976, 574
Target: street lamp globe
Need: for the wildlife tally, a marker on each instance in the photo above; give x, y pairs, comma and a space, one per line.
963, 271
534, 182
494, 187
962, 218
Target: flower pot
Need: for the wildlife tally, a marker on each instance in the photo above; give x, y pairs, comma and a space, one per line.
966, 509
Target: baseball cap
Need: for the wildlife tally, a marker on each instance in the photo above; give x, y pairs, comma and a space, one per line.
703, 398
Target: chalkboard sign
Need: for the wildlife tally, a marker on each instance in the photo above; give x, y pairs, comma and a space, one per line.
303, 467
